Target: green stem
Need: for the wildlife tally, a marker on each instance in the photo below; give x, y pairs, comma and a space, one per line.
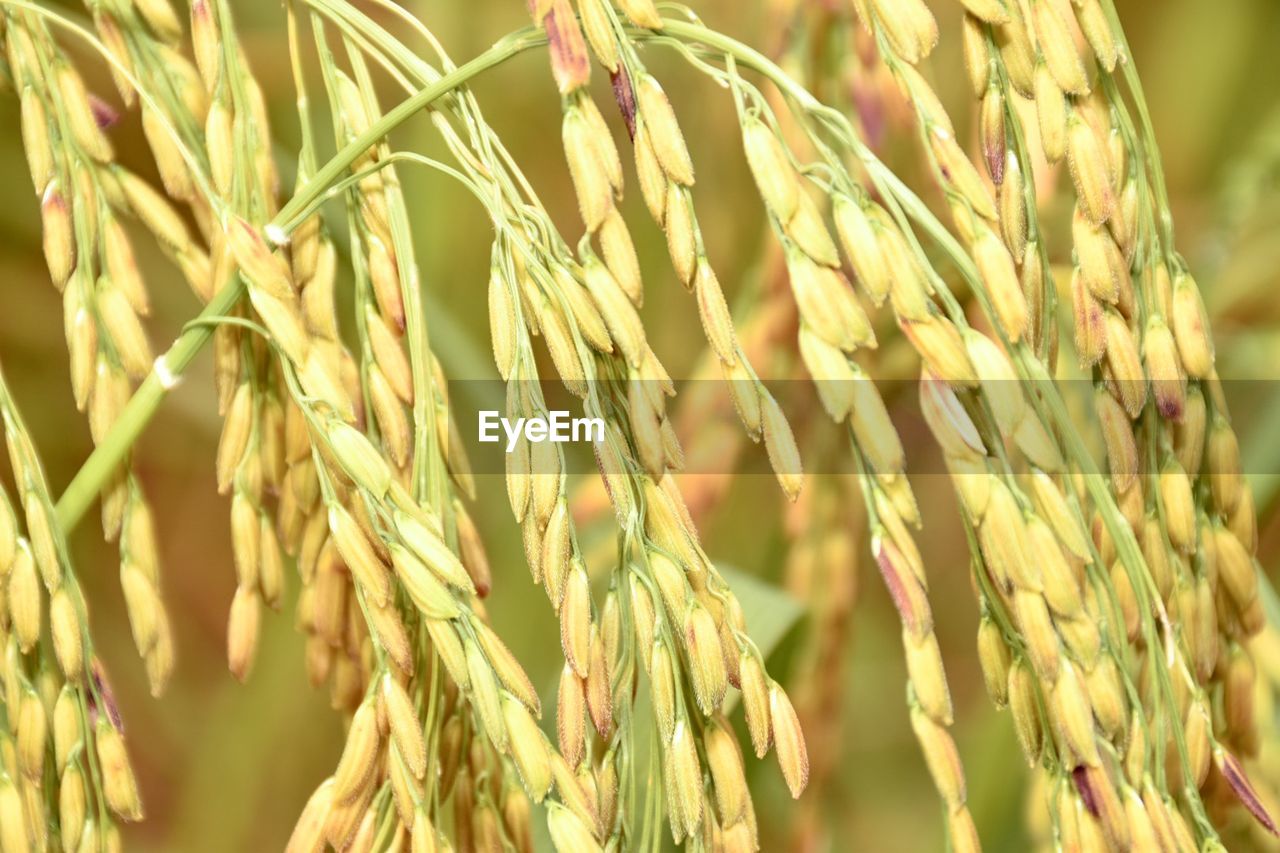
104, 460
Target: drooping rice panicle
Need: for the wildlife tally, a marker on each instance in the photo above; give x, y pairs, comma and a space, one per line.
1122, 618
84, 198
61, 725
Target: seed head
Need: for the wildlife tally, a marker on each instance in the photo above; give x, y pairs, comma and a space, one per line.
928, 680
961, 174
681, 227
999, 380
1168, 381
359, 459
599, 33
905, 589
564, 352
219, 142
359, 754
642, 13
1097, 30
717, 322
994, 147
571, 716
43, 547
1101, 802
1179, 506
993, 655
569, 831
991, 11
242, 631
122, 326
569, 62
1236, 569
653, 181
941, 757
600, 686
995, 265
402, 720
1106, 695
1072, 715
1189, 433
871, 424
587, 168
32, 731
702, 644
1059, 49
771, 168
502, 324
1024, 709
940, 346
831, 371
793, 757
13, 819
118, 785
808, 230
686, 776
664, 130
393, 424
744, 389
1093, 245
72, 806
977, 59
528, 748
80, 114
827, 303
784, 455
1089, 169
510, 674
1013, 210
1125, 364
66, 726
154, 211
1061, 584
1191, 328
1223, 457
308, 832
1003, 536
950, 424
575, 621
65, 626
617, 310
909, 26
59, 238
35, 139
1089, 322
864, 247
725, 762
620, 255
360, 555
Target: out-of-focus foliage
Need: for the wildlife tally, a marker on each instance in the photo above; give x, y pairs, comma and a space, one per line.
228, 767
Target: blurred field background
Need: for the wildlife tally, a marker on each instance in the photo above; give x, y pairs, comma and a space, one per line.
227, 767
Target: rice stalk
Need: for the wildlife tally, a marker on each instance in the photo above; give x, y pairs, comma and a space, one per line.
1117, 608
601, 704
55, 686
91, 259
952, 170
1110, 268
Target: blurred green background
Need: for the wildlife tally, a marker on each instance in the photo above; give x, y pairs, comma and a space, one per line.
228, 767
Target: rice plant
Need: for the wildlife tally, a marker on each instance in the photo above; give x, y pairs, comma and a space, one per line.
1121, 606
